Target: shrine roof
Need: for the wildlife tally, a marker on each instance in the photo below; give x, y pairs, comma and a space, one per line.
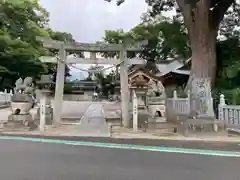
174, 66
143, 72
173, 74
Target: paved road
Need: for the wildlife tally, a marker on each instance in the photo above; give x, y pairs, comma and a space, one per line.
22, 160
93, 123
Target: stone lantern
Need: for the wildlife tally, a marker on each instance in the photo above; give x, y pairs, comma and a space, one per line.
139, 87
45, 111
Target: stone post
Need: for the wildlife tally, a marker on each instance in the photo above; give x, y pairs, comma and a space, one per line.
58, 99
42, 113
220, 107
174, 99
124, 89
188, 102
5, 96
135, 111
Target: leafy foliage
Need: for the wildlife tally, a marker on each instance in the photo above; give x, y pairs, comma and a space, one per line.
20, 23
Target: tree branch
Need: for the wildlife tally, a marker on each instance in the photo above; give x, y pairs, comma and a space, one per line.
186, 10
218, 10
181, 4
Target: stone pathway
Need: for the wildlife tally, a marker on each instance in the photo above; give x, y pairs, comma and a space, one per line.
93, 124
74, 109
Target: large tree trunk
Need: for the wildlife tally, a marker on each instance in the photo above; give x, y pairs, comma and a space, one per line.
203, 70
203, 45
204, 56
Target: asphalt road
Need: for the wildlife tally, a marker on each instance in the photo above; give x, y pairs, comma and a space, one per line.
22, 160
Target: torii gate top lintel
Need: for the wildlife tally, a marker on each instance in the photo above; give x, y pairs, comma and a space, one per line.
90, 47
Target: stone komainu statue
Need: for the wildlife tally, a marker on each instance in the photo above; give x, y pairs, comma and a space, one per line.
24, 90
156, 89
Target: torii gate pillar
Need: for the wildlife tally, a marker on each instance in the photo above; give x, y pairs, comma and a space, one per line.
124, 89
59, 87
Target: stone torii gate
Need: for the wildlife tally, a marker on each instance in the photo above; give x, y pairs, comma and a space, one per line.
93, 49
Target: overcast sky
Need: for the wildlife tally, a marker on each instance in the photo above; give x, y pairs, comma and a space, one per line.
87, 20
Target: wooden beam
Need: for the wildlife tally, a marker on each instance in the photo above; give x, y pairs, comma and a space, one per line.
89, 47
75, 60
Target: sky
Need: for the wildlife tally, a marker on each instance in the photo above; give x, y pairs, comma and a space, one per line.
87, 20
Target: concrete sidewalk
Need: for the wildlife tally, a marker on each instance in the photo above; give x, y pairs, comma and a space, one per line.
72, 130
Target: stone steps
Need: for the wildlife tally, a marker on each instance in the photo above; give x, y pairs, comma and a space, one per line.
18, 126
14, 126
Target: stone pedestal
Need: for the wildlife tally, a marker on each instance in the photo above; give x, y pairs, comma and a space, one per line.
157, 107
21, 107
48, 115
20, 119
20, 112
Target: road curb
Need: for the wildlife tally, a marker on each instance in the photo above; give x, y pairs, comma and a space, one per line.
222, 153
226, 146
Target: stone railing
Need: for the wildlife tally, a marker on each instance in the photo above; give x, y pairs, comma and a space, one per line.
178, 105
230, 114
5, 97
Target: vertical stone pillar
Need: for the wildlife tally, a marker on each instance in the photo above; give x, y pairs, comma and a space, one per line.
45, 112
220, 107
188, 102
42, 112
135, 111
124, 88
174, 99
58, 99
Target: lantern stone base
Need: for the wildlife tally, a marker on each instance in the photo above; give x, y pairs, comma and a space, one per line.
48, 116
143, 116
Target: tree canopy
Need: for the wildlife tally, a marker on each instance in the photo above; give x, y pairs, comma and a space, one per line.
20, 23
169, 38
202, 20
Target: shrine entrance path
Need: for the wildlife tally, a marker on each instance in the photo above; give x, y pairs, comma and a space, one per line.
93, 123
73, 110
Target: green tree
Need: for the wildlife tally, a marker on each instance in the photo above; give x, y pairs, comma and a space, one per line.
20, 23
166, 39
202, 19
